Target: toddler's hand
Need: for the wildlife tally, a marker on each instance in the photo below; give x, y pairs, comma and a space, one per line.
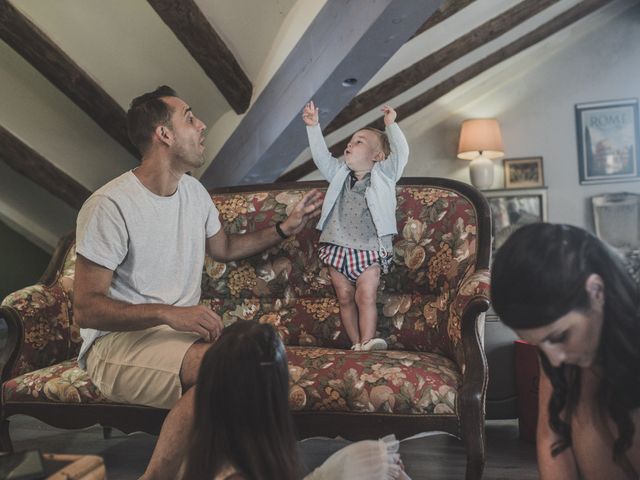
389, 115
310, 114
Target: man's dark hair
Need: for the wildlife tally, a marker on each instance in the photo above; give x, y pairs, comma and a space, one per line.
146, 113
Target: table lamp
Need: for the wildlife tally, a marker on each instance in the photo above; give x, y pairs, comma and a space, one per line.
480, 142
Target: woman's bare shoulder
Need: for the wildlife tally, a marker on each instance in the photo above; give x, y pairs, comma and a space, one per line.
229, 473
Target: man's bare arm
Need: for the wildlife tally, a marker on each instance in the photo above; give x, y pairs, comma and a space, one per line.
93, 308
225, 248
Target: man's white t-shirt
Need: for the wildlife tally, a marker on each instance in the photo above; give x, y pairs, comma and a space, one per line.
154, 245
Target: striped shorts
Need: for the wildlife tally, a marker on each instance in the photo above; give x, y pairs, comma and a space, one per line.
351, 262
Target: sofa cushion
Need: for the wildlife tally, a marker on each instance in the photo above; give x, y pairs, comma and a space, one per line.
407, 322
320, 379
388, 381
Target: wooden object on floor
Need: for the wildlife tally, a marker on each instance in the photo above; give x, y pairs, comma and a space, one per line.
80, 467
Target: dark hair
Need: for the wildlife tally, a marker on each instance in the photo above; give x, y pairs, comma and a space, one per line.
242, 409
145, 113
384, 140
538, 276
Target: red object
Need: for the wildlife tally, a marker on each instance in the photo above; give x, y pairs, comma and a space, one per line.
527, 380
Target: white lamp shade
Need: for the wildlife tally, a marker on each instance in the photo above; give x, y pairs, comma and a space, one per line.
480, 136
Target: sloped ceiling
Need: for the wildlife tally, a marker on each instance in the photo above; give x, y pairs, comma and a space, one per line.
63, 60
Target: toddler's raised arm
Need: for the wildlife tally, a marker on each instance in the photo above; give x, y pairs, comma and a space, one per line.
389, 115
326, 163
394, 165
310, 114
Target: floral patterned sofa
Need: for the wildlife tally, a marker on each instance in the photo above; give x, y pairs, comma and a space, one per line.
431, 304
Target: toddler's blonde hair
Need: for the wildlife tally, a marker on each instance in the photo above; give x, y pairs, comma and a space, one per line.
384, 140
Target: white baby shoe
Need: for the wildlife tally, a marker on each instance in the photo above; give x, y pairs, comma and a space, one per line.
374, 344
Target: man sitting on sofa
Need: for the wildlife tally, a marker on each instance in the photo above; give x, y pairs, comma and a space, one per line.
141, 242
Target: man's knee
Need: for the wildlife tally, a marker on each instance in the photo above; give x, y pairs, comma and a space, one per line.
191, 364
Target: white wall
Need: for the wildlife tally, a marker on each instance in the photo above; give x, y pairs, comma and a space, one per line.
533, 96
536, 111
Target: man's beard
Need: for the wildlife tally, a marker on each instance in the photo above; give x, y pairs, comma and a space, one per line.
191, 158
200, 160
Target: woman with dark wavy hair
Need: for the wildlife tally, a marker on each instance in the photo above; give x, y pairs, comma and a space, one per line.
243, 426
564, 290
244, 430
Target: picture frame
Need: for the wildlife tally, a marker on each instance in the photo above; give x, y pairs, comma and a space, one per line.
512, 209
616, 218
608, 139
523, 172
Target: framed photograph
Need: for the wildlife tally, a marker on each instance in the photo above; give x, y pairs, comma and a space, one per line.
608, 140
616, 217
511, 209
523, 172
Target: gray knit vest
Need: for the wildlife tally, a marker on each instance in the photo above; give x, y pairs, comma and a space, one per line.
350, 224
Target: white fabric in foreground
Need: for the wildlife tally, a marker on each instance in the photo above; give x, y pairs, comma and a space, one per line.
368, 459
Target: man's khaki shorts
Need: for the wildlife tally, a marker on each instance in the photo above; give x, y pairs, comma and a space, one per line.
140, 367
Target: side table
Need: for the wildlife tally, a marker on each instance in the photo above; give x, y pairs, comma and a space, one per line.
502, 394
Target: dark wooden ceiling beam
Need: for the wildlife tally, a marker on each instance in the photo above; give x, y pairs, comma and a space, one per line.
448, 8
192, 28
26, 161
423, 100
334, 56
423, 69
57, 67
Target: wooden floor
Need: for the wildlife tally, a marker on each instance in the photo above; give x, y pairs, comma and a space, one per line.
431, 458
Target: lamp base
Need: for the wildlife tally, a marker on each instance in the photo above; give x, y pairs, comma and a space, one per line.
481, 172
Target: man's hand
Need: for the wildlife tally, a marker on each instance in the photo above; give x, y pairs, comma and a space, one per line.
198, 319
310, 114
389, 115
308, 207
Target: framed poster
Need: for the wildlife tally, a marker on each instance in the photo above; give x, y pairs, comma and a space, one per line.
511, 209
616, 218
523, 172
608, 141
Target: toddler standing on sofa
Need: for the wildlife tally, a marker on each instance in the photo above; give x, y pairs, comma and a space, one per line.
358, 218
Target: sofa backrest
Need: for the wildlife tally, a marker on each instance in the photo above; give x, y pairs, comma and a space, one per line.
39, 317
439, 243
436, 247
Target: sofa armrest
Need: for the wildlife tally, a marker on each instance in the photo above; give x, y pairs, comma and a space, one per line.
40, 331
473, 293
469, 304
